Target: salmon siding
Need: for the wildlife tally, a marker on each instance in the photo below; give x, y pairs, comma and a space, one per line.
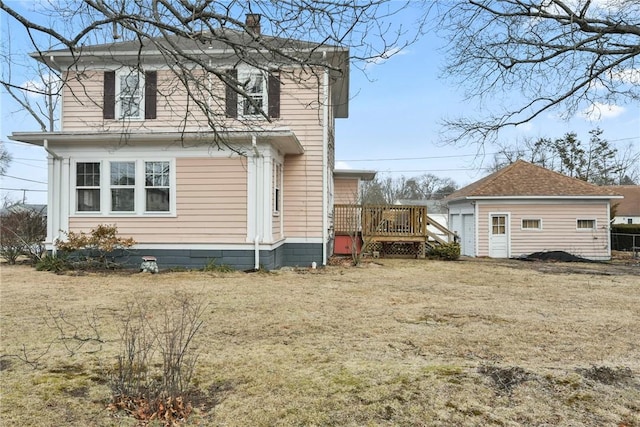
557, 227
301, 196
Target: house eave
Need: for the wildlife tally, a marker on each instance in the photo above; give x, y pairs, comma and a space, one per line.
540, 197
283, 140
364, 175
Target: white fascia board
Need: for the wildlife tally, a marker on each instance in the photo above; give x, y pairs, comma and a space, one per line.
539, 198
282, 139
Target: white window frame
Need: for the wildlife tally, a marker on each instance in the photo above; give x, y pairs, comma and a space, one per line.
277, 188
123, 186
538, 228
595, 224
139, 189
98, 187
124, 72
166, 186
246, 74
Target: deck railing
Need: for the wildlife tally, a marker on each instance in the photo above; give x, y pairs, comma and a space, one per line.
381, 220
388, 223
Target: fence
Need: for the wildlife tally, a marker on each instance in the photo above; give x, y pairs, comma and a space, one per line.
625, 242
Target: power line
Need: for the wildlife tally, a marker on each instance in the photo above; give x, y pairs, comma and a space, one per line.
416, 158
24, 179
22, 189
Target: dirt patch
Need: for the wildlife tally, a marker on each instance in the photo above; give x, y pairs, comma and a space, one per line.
607, 375
505, 379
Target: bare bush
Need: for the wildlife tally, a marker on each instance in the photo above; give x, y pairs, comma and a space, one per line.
154, 369
22, 233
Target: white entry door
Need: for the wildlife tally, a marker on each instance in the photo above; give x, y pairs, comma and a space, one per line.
499, 236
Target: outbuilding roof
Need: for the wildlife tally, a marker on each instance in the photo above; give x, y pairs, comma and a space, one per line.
522, 179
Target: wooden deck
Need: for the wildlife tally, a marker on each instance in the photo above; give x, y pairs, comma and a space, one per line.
384, 225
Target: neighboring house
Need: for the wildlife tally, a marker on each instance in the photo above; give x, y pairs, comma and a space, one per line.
627, 210
524, 208
25, 207
134, 151
436, 210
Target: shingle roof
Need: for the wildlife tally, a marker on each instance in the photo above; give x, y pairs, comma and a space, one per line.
524, 179
630, 205
205, 42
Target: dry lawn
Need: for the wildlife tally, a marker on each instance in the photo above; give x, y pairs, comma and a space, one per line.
399, 342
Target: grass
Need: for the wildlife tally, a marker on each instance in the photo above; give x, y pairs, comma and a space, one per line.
402, 342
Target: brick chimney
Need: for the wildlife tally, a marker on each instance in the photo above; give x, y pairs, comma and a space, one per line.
253, 23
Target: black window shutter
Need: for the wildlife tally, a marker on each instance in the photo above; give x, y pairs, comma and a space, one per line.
274, 94
231, 97
150, 91
109, 108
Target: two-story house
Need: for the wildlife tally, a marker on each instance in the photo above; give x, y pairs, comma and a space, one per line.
224, 153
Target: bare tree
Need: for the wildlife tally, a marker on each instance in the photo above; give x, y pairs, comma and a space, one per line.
181, 33
388, 190
560, 55
596, 161
5, 159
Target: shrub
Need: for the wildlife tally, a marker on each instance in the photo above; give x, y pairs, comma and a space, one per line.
22, 233
211, 265
53, 263
93, 250
446, 252
153, 375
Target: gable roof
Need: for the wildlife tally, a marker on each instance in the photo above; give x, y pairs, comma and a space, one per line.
526, 180
630, 205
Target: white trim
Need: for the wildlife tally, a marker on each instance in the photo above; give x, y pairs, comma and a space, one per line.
105, 187
246, 72
522, 228
594, 228
304, 240
325, 164
541, 198
126, 71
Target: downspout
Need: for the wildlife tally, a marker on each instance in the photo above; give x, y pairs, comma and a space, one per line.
325, 148
256, 238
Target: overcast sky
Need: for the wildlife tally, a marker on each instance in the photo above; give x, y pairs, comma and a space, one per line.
393, 127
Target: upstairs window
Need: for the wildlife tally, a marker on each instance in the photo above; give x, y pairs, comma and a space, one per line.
262, 91
254, 85
129, 95
88, 187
